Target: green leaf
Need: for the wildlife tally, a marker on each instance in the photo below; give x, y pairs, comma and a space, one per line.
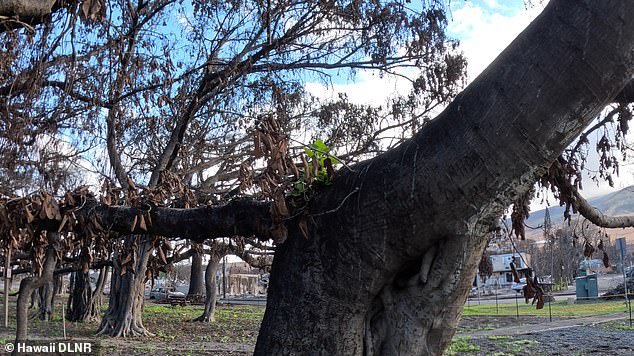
320, 146
300, 186
308, 152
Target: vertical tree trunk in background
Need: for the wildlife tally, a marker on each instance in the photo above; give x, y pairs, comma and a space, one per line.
35, 296
30, 284
123, 317
47, 295
80, 296
196, 275
211, 288
59, 284
394, 245
93, 313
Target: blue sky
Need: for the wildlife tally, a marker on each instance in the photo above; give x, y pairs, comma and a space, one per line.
484, 28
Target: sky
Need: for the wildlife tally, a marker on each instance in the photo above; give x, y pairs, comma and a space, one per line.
484, 28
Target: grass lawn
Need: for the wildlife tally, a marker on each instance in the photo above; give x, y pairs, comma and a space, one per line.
558, 308
174, 332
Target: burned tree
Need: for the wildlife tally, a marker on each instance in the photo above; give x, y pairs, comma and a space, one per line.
377, 257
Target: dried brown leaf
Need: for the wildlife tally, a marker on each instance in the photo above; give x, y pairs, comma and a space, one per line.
588, 250
92, 10
516, 277
63, 223
280, 210
142, 225
329, 168
161, 256
315, 167
307, 170
29, 216
257, 142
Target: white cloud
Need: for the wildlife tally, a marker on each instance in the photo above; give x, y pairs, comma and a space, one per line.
484, 33
183, 21
484, 28
369, 88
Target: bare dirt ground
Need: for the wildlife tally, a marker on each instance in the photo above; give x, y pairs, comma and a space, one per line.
236, 327
508, 335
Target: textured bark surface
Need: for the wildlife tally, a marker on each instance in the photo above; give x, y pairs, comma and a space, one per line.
123, 317
31, 284
388, 272
26, 8
93, 313
211, 289
46, 295
80, 297
240, 217
196, 275
27, 13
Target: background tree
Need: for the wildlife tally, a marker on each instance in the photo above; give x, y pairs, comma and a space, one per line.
379, 257
186, 96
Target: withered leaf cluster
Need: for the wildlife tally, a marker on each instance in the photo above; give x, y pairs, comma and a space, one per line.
272, 144
532, 289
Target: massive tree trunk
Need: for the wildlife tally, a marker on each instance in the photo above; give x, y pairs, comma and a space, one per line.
30, 284
196, 274
211, 288
388, 272
123, 317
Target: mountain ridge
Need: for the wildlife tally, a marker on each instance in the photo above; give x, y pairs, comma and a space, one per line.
616, 203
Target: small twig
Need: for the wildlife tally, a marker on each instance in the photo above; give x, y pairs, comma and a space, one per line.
539, 227
510, 235
300, 212
355, 190
17, 21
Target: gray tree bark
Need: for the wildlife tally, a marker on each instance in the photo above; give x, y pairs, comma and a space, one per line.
211, 289
93, 313
30, 284
125, 306
26, 8
80, 296
389, 271
196, 275
46, 298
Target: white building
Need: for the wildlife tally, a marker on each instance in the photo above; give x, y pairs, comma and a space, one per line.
502, 277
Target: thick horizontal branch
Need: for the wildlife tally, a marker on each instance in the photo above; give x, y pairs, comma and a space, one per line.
239, 217
67, 269
596, 217
242, 217
25, 13
571, 194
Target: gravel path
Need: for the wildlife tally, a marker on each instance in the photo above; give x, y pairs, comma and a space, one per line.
597, 335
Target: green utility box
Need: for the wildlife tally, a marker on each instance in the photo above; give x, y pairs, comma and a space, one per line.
587, 286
